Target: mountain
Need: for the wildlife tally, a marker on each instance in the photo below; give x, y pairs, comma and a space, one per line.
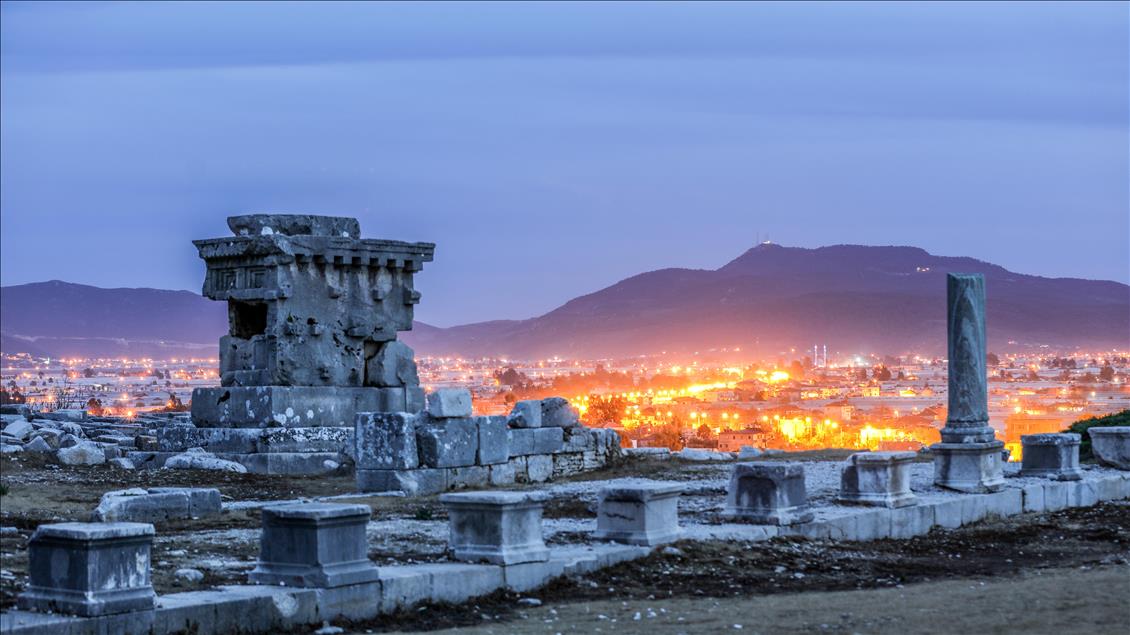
62, 319
851, 298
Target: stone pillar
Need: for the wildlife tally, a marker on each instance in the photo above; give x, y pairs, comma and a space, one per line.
877, 478
496, 527
319, 545
768, 494
89, 569
969, 457
968, 417
1051, 455
639, 514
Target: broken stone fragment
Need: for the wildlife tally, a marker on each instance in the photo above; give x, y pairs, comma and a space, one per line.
526, 414
81, 453
294, 225
557, 413
198, 459
449, 403
448, 443
393, 366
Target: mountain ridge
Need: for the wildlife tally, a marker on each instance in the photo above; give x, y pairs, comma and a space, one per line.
769, 298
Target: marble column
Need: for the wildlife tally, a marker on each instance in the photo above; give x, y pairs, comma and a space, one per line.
969, 457
968, 418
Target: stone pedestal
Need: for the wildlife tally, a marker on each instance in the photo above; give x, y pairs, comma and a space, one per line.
1111, 445
881, 479
969, 467
89, 569
319, 545
1053, 456
496, 527
639, 514
768, 494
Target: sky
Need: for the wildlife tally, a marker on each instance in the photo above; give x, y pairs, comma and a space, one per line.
553, 149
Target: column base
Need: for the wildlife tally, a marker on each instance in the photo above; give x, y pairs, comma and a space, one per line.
969, 467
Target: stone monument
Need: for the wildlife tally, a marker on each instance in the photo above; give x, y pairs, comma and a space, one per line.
313, 313
969, 457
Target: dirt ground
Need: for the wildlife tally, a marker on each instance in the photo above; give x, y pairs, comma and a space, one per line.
1036, 573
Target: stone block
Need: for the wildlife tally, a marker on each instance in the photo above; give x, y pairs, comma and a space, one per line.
578, 439
640, 513
385, 441
19, 429
502, 474
526, 441
81, 453
404, 586
287, 406
532, 575
877, 478
1005, 503
417, 482
768, 494
314, 545
456, 583
1051, 456
973, 468
947, 512
496, 527
394, 365
567, 464
1033, 498
157, 505
414, 399
198, 459
1056, 496
448, 443
1111, 445
908, 522
1109, 488
449, 403
1082, 494
525, 414
539, 468
557, 413
471, 476
494, 440
89, 569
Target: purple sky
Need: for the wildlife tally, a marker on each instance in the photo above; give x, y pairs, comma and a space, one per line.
551, 149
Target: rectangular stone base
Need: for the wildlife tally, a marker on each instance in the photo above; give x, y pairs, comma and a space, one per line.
282, 463
296, 406
968, 467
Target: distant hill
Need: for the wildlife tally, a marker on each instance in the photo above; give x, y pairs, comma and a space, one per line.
851, 298
62, 319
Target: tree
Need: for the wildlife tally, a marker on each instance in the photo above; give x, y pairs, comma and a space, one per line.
605, 410
89, 372
992, 359
670, 436
704, 432
881, 373
861, 374
1106, 373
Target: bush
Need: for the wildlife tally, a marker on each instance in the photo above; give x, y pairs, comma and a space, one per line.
1080, 427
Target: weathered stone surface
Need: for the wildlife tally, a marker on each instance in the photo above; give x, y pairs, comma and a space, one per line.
394, 365
768, 493
497, 527
494, 440
447, 443
157, 505
314, 545
289, 406
539, 468
386, 441
294, 225
146, 443
19, 429
967, 419
81, 453
89, 569
38, 445
416, 482
198, 459
524, 441
122, 464
250, 440
449, 403
525, 414
471, 476
877, 478
1111, 445
968, 467
702, 454
639, 513
557, 413
1051, 456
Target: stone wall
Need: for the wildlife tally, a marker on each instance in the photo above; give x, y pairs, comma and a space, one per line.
438, 450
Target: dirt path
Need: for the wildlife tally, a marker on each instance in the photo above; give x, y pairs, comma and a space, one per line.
1092, 601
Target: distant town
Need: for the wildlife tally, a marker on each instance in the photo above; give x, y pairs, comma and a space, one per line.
793, 402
